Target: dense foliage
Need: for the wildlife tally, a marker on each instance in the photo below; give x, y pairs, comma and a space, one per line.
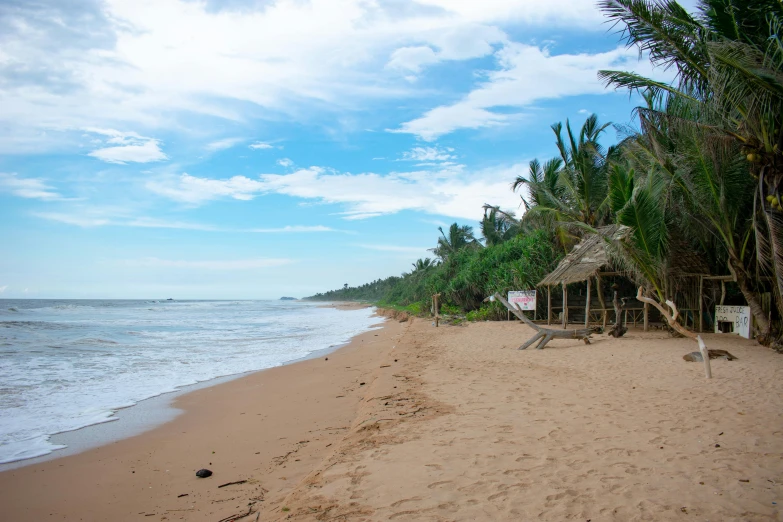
464, 277
698, 173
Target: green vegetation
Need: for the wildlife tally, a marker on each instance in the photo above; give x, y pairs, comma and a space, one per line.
700, 173
463, 276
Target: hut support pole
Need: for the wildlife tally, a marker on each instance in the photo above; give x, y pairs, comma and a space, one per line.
565, 305
701, 304
646, 316
587, 305
549, 305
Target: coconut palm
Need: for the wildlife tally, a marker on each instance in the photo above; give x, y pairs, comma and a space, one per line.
729, 87
571, 188
498, 226
422, 264
459, 237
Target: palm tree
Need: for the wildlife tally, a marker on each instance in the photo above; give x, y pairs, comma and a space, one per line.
422, 264
729, 64
498, 226
571, 188
459, 237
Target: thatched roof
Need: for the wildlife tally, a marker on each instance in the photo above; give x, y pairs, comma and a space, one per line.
685, 262
590, 256
587, 258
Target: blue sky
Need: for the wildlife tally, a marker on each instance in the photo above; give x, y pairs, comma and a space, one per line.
260, 148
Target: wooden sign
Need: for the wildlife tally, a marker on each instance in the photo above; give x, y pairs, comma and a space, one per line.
738, 316
526, 299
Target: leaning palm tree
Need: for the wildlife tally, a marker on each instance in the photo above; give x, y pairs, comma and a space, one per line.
458, 238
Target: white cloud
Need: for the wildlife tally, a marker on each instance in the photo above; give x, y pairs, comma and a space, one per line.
131, 66
224, 144
528, 74
127, 147
457, 43
30, 188
428, 154
260, 145
234, 264
396, 248
449, 190
72, 219
285, 162
95, 218
2, 288
192, 189
295, 229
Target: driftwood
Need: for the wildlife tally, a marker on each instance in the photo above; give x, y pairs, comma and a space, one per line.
232, 483
544, 334
619, 329
671, 318
714, 354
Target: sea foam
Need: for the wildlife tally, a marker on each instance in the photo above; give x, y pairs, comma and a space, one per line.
65, 365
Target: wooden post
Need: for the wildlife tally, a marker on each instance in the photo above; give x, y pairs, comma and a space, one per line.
549, 304
435, 304
701, 304
705, 354
565, 305
587, 306
646, 316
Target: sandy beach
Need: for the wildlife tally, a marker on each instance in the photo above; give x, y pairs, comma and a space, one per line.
412, 422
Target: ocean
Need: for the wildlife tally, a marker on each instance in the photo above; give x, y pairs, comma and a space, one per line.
67, 364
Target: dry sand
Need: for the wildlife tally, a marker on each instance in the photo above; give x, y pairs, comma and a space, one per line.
452, 423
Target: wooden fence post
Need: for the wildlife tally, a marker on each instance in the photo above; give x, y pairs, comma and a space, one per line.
587, 305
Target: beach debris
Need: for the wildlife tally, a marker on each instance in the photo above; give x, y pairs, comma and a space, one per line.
232, 483
744, 480
544, 334
717, 445
619, 329
183, 495
203, 473
674, 325
714, 354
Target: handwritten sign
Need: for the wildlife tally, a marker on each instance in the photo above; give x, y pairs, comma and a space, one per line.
738, 316
526, 299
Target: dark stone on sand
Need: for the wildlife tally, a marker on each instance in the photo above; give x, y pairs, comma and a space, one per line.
203, 473
714, 354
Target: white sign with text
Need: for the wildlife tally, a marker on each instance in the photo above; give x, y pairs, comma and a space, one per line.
739, 316
526, 299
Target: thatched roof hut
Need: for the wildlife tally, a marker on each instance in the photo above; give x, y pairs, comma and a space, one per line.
591, 258
586, 259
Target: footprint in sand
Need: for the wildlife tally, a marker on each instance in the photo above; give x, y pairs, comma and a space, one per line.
403, 501
436, 484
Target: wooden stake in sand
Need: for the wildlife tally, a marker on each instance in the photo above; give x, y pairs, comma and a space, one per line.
435, 307
705, 354
671, 318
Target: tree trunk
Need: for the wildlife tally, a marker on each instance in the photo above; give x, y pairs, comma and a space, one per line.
752, 297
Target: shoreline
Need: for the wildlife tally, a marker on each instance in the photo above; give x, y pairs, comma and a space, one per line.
89, 485
412, 422
155, 411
